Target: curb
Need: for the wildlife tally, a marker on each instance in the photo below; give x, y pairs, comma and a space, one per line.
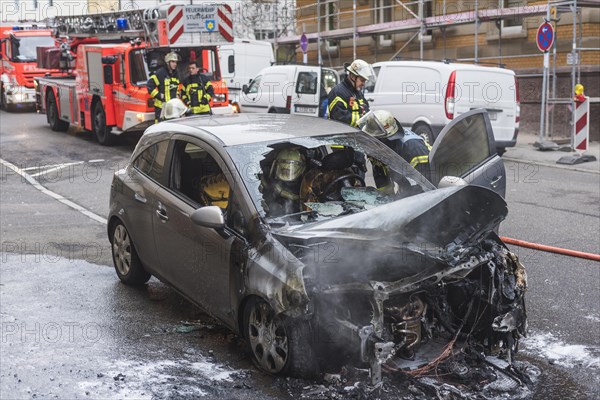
550, 165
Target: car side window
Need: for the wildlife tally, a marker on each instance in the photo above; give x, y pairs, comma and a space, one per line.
151, 161
197, 175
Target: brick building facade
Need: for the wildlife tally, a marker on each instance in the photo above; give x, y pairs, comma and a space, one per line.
386, 30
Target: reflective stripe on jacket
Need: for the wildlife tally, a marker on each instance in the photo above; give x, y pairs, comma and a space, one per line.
346, 104
165, 83
197, 93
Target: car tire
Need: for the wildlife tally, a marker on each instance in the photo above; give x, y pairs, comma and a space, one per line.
125, 258
56, 124
425, 132
101, 131
279, 345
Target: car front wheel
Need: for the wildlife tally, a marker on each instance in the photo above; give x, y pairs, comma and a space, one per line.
279, 345
125, 258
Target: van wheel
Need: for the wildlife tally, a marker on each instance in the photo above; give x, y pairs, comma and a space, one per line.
272, 111
99, 127
56, 124
425, 132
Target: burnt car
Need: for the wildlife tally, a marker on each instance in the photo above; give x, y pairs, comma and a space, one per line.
316, 242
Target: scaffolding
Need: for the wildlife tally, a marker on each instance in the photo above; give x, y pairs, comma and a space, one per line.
418, 24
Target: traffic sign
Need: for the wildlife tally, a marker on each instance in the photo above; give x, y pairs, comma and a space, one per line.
303, 43
545, 36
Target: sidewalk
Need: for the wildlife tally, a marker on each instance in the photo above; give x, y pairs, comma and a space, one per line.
524, 151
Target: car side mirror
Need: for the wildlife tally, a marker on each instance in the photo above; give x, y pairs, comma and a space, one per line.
449, 181
245, 89
209, 217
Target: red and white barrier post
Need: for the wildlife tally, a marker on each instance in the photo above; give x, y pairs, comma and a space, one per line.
581, 129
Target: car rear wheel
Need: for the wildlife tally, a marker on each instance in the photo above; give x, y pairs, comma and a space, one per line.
279, 345
99, 127
425, 132
56, 124
125, 258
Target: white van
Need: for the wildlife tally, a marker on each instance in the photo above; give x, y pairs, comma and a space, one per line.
425, 95
290, 89
240, 61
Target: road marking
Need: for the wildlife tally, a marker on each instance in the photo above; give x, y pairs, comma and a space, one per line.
38, 167
43, 170
52, 194
96, 161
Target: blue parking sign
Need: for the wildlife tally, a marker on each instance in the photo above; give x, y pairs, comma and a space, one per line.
545, 36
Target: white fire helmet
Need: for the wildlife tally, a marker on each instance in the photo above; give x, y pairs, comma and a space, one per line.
172, 56
378, 124
361, 68
173, 108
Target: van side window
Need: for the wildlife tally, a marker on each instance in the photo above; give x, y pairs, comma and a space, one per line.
307, 83
254, 85
231, 64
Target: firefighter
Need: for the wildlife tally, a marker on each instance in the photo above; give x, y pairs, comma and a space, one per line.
197, 91
346, 100
164, 84
281, 188
407, 144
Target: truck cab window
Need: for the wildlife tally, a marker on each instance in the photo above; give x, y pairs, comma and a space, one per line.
138, 70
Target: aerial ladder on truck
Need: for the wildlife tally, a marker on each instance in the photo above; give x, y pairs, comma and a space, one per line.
113, 55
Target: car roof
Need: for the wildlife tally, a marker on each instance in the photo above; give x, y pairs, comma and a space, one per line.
236, 129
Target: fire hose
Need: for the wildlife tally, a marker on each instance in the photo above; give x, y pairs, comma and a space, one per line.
551, 249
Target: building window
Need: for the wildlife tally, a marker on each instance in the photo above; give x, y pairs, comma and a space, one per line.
517, 20
329, 21
384, 11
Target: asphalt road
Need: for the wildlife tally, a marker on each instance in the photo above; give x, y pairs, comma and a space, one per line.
71, 330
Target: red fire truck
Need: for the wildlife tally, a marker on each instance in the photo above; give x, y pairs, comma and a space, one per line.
106, 92
18, 63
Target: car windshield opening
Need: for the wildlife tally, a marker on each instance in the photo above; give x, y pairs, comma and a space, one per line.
316, 178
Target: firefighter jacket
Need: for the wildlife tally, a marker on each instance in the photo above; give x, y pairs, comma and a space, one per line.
164, 86
197, 92
412, 148
346, 104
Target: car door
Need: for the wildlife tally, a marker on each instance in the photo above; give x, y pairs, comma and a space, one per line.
466, 148
196, 260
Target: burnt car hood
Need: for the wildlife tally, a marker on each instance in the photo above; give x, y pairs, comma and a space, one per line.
455, 215
419, 235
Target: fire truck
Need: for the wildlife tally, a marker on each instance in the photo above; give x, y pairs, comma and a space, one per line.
113, 56
18, 63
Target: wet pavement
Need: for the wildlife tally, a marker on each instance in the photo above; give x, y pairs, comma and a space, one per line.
69, 329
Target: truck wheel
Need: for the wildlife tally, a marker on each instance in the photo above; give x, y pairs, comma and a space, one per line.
56, 124
99, 127
425, 132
